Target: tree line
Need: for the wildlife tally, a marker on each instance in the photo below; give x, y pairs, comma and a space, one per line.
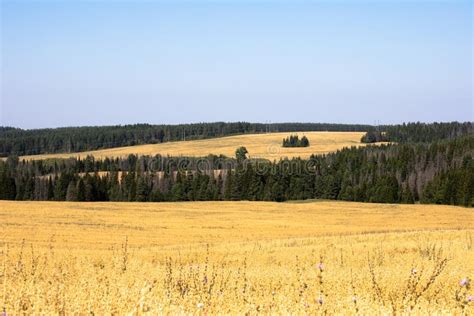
15, 141
440, 172
418, 132
295, 141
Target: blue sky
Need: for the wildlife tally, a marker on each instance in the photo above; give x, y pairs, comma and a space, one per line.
70, 63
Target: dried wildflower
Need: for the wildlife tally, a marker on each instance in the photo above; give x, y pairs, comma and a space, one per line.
321, 266
464, 282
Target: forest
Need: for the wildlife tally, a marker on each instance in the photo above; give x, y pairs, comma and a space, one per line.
14, 141
438, 172
417, 132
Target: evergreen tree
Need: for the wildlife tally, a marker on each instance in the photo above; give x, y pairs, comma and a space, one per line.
156, 195
143, 189
81, 190
7, 185
113, 185
71, 194
177, 191
29, 190
407, 196
304, 142
50, 190
241, 154
229, 185
277, 192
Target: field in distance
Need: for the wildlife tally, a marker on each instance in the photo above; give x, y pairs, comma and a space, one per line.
317, 257
268, 146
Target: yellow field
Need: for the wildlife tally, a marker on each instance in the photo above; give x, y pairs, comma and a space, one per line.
266, 146
235, 257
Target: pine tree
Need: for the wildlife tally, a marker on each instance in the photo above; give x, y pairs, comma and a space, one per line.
241, 154
156, 195
143, 189
203, 192
229, 185
50, 193
407, 196
277, 192
113, 185
71, 194
219, 187
177, 191
235, 194
29, 191
81, 190
7, 184
304, 142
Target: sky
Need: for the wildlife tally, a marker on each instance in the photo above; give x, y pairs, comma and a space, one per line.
75, 63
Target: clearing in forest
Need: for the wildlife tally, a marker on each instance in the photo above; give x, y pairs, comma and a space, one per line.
267, 146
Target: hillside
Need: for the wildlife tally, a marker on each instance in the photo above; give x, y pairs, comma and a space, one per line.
19, 142
268, 146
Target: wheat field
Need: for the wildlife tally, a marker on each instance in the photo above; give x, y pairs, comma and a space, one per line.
315, 257
267, 146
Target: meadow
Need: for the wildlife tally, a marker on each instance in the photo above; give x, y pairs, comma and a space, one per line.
266, 146
315, 257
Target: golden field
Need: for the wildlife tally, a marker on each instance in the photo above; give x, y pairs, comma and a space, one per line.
267, 146
235, 258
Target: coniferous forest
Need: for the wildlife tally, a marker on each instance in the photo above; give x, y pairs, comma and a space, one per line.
440, 170
14, 141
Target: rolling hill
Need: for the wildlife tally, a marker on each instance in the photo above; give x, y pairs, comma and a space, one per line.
267, 146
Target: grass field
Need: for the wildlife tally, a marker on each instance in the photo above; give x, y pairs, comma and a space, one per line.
266, 146
235, 257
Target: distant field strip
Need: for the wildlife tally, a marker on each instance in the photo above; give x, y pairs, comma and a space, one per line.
267, 146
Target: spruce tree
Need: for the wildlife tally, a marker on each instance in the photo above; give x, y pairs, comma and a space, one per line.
229, 185
143, 189
241, 154
81, 190
71, 194
50, 189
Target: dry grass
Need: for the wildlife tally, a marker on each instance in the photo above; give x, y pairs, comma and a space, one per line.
235, 257
266, 146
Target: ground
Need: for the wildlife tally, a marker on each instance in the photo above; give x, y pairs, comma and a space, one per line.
236, 257
267, 146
